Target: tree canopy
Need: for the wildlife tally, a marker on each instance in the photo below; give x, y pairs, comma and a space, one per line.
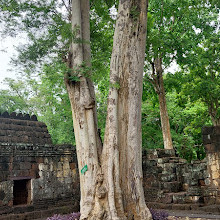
184, 31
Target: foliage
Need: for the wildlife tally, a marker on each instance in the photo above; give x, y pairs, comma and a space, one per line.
186, 122
10, 102
41, 97
48, 30
175, 27
72, 216
178, 30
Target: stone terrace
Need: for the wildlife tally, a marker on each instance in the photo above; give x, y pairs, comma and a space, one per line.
37, 179
23, 129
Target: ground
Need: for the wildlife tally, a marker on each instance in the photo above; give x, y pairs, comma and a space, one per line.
187, 215
192, 215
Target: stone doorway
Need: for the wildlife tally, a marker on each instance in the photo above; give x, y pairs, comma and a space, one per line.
21, 192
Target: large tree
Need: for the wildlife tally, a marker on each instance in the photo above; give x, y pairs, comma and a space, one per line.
111, 173
111, 187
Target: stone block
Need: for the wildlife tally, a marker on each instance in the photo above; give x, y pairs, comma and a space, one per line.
185, 186
165, 153
216, 130
179, 197
193, 199
168, 177
4, 166
181, 207
215, 175
59, 174
194, 191
216, 140
72, 166
170, 186
66, 165
68, 180
167, 198
59, 166
209, 200
152, 154
152, 194
66, 173
25, 165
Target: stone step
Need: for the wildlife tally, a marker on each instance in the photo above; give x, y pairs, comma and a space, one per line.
185, 206
169, 187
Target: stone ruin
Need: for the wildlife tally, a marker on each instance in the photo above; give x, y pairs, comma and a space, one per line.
38, 179
171, 182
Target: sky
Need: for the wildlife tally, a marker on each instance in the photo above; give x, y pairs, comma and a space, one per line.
7, 51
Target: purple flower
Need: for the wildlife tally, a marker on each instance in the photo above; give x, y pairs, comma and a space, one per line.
159, 214
72, 216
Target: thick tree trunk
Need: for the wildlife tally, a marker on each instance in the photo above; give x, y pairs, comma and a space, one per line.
81, 94
111, 186
122, 146
159, 88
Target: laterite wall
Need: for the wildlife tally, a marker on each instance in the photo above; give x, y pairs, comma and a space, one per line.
37, 179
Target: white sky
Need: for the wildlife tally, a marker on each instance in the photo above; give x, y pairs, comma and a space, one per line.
7, 51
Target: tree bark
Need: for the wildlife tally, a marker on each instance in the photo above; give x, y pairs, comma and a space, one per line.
159, 88
111, 187
122, 146
82, 99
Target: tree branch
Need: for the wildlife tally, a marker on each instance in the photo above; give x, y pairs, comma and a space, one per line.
66, 6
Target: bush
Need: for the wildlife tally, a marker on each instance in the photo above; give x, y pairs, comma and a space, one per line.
72, 216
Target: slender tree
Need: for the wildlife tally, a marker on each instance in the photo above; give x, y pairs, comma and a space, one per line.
156, 78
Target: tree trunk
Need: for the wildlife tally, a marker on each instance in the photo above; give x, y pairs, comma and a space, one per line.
111, 186
122, 146
81, 95
159, 88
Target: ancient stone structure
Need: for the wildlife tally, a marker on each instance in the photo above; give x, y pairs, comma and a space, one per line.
37, 179
170, 182
211, 140
173, 183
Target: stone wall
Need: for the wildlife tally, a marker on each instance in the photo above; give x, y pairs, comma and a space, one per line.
23, 129
171, 182
52, 173
37, 179
211, 140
